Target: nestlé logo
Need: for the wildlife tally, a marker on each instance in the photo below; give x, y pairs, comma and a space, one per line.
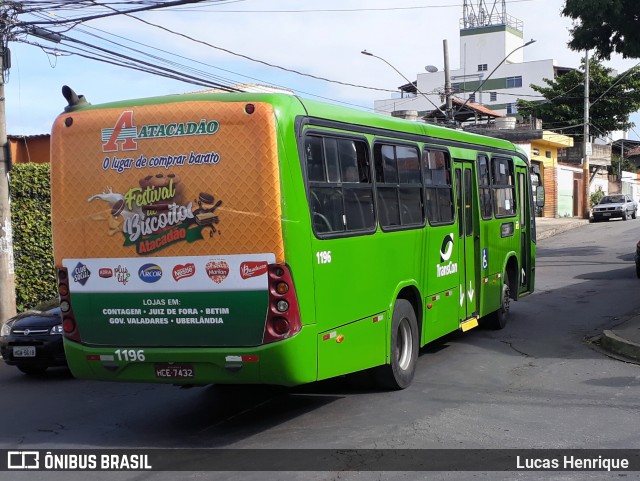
183, 271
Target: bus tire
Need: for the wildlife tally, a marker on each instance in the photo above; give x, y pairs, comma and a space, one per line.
404, 348
498, 319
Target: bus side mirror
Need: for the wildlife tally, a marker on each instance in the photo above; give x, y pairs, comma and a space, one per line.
540, 196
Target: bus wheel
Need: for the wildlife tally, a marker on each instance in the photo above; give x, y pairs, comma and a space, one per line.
498, 319
404, 348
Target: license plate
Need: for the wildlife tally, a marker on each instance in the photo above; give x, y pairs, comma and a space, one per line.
174, 371
607, 214
24, 351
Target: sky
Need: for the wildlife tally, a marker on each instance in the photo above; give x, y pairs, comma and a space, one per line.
322, 39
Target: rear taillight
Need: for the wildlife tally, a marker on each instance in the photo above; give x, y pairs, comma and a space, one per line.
283, 316
69, 325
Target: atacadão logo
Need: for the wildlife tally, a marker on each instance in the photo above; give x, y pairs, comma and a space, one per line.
125, 135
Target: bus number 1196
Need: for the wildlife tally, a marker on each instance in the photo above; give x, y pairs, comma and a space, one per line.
324, 257
130, 355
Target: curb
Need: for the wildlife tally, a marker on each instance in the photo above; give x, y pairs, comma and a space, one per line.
618, 345
544, 235
559, 229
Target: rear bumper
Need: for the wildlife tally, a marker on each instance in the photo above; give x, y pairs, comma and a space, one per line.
288, 363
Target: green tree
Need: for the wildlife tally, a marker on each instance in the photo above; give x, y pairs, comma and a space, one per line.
613, 98
596, 196
605, 26
619, 164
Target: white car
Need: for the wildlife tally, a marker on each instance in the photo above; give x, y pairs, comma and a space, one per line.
614, 206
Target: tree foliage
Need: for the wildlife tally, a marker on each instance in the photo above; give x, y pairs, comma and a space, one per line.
605, 26
619, 164
32, 244
612, 99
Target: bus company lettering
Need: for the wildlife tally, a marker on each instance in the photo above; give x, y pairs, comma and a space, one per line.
252, 269
447, 269
217, 271
183, 271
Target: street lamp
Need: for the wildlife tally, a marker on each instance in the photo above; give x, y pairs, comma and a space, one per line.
491, 73
364, 52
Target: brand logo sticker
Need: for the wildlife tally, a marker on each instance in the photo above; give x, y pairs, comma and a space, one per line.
105, 272
81, 274
150, 273
183, 271
124, 135
217, 271
122, 275
252, 269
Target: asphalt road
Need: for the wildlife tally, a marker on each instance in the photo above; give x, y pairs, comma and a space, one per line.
539, 383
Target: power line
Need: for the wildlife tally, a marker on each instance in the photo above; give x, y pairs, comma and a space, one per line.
180, 2
95, 56
153, 6
349, 10
256, 60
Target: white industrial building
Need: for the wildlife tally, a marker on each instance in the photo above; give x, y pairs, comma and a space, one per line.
492, 50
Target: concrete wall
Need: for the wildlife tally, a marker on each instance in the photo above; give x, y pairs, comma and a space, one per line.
29, 148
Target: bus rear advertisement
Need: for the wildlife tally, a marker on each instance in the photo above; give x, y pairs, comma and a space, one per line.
263, 238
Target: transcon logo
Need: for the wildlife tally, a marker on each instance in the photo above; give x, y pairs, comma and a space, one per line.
447, 248
446, 266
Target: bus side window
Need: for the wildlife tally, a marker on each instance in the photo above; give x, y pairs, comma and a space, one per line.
410, 193
399, 188
484, 185
315, 162
503, 185
438, 187
340, 189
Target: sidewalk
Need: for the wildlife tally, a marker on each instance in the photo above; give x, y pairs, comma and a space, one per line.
624, 339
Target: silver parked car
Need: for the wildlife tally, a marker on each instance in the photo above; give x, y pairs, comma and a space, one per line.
614, 206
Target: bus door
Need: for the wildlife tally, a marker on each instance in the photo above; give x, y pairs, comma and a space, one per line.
524, 217
468, 255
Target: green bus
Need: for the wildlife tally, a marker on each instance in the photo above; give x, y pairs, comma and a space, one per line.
265, 238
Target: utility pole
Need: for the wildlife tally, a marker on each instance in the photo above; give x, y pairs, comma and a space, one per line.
7, 276
586, 145
447, 84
